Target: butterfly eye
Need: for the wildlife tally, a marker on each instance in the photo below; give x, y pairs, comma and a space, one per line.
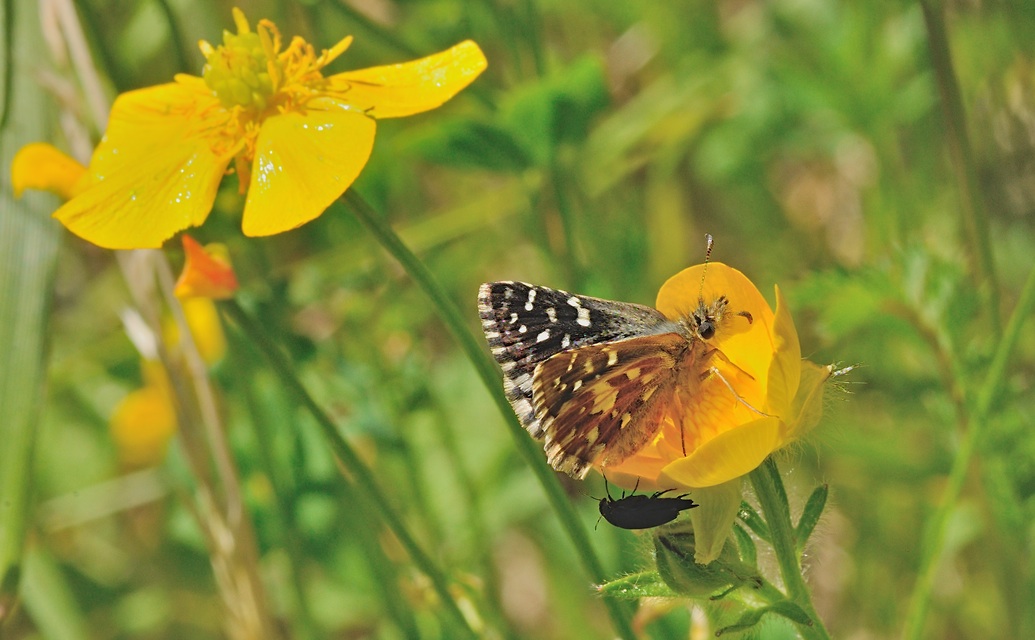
706, 329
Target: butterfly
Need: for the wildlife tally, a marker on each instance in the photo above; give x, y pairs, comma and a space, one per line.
642, 511
595, 378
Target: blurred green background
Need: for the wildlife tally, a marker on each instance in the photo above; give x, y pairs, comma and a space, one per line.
816, 140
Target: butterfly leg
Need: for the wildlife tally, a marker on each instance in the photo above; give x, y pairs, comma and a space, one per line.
713, 371
722, 356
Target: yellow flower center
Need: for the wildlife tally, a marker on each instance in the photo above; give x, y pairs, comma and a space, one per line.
250, 73
238, 71
254, 79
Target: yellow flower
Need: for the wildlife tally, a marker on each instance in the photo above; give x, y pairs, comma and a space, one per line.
207, 272
205, 327
144, 421
297, 139
42, 166
726, 435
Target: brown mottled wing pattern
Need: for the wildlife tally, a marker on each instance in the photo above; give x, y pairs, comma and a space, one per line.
603, 403
525, 325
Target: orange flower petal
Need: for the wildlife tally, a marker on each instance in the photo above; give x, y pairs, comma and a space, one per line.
152, 175
43, 166
207, 272
302, 164
397, 90
727, 456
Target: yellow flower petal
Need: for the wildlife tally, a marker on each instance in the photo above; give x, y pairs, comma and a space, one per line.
713, 520
142, 425
43, 166
748, 345
397, 90
207, 272
153, 174
785, 369
205, 327
727, 456
808, 402
302, 164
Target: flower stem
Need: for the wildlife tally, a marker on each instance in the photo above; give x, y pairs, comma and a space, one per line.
489, 374
363, 478
934, 542
773, 500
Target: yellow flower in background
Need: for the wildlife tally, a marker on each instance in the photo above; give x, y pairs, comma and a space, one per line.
145, 420
205, 327
44, 167
207, 272
297, 139
777, 400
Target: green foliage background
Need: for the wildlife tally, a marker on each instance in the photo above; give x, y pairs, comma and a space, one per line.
813, 138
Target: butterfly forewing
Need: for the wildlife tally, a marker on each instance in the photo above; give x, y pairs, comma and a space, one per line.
602, 403
526, 324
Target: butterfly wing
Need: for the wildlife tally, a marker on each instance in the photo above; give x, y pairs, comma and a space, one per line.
599, 404
527, 324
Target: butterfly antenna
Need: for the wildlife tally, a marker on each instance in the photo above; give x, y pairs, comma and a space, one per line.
709, 242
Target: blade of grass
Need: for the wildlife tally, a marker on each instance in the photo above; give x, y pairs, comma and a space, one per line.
369, 489
489, 374
937, 530
29, 243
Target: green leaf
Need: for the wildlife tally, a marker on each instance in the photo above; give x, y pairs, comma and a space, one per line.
28, 254
674, 552
646, 584
810, 515
746, 545
784, 608
50, 599
557, 109
472, 143
754, 521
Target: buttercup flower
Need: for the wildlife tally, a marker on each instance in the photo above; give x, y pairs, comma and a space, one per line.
144, 421
773, 397
297, 139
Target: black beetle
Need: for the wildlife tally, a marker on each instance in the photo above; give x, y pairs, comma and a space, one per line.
642, 511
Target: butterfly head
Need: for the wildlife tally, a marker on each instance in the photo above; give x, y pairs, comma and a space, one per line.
713, 319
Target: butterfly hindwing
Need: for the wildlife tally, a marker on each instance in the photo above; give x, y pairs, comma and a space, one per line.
602, 403
527, 324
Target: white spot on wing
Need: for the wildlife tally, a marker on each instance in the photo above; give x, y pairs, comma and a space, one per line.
544, 335
531, 299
